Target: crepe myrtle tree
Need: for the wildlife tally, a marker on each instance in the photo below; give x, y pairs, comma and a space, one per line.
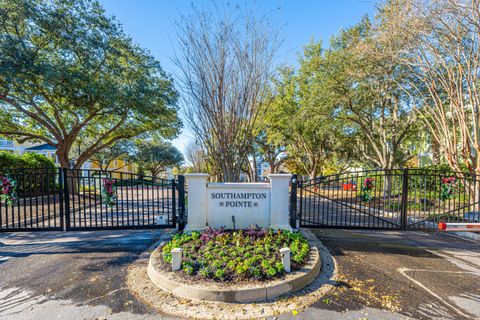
70, 76
225, 63
441, 48
154, 157
197, 158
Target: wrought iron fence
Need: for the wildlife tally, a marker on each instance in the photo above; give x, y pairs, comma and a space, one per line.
67, 199
389, 199
70, 199
37, 203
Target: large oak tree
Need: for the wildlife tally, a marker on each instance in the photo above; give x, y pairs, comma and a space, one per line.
368, 88
301, 116
70, 76
154, 157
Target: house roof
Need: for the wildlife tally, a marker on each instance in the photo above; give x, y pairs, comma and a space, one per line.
41, 147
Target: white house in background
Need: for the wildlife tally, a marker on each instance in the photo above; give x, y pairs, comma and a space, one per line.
169, 173
40, 148
424, 159
21, 148
9, 145
45, 149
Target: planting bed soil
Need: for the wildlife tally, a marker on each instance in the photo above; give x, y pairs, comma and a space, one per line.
240, 256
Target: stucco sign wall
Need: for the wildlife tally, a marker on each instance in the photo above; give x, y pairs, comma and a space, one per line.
237, 205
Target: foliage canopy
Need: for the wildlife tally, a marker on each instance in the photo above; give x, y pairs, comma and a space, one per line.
69, 74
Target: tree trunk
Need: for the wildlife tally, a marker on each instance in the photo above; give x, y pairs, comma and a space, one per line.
248, 170
254, 170
476, 206
313, 172
473, 189
271, 164
436, 152
63, 159
228, 175
387, 185
72, 179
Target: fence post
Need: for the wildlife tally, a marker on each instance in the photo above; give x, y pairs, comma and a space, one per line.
404, 206
60, 198
181, 202
299, 214
66, 193
293, 202
174, 203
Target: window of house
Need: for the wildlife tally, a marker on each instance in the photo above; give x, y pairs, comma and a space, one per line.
6, 143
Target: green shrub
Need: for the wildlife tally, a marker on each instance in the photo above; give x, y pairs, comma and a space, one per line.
231, 264
188, 267
28, 160
220, 274
9, 160
241, 269
271, 272
205, 272
255, 272
236, 255
37, 177
279, 266
35, 160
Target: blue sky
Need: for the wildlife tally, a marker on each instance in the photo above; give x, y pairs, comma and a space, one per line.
151, 23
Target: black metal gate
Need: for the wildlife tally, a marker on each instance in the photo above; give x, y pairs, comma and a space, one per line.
388, 199
68, 199
39, 200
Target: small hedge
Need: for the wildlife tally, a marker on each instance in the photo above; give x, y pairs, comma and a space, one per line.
28, 160
34, 173
226, 255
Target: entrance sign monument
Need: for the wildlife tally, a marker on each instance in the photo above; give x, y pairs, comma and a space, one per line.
237, 205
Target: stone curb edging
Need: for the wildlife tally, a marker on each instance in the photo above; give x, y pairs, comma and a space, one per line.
265, 292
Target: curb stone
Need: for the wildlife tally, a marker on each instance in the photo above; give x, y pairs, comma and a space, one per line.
170, 306
263, 292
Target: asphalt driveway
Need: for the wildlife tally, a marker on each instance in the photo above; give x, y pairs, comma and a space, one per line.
382, 275
73, 275
398, 275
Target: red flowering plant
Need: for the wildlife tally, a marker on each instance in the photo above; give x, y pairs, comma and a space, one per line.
210, 234
109, 192
367, 187
8, 190
448, 186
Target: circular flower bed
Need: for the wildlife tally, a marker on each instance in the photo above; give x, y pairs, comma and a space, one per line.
226, 255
